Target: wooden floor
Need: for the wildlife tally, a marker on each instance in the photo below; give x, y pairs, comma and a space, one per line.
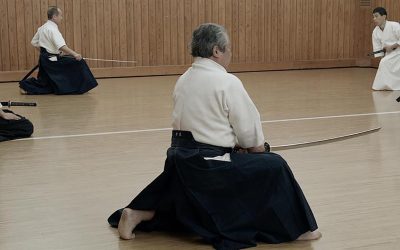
91, 154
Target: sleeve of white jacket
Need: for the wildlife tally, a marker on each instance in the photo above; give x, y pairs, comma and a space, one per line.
377, 44
58, 39
35, 40
243, 116
396, 30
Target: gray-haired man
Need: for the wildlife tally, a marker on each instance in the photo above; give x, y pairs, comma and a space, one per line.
231, 199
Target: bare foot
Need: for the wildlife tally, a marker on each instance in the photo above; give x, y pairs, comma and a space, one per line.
22, 91
314, 235
130, 219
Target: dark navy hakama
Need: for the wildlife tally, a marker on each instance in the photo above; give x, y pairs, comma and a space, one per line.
231, 205
63, 76
14, 129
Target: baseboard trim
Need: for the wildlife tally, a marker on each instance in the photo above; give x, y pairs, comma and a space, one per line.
15, 76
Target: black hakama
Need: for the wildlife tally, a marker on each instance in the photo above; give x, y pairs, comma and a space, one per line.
231, 205
14, 129
61, 77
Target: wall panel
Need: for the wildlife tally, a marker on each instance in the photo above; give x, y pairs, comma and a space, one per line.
265, 34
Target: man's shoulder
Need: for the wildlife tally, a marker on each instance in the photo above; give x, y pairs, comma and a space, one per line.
233, 78
217, 75
232, 82
394, 23
49, 26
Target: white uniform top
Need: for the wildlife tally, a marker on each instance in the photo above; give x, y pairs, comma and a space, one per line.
49, 37
215, 107
386, 37
388, 74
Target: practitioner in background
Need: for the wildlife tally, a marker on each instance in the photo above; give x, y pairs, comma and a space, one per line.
13, 126
57, 74
386, 36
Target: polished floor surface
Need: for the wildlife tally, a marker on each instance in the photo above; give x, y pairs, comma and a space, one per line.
90, 154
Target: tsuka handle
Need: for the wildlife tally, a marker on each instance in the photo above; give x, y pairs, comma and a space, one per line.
377, 52
9, 104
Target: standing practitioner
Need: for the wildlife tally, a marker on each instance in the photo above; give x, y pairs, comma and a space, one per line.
386, 36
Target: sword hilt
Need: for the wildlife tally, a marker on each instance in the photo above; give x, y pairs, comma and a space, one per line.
10, 103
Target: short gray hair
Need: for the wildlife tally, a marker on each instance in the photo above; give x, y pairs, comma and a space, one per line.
52, 11
205, 37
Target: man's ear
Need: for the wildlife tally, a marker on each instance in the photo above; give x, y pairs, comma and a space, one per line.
216, 51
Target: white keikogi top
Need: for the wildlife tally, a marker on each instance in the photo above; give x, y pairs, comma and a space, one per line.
215, 107
386, 37
388, 74
49, 37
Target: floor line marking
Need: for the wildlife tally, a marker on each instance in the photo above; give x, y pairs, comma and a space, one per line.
166, 129
330, 117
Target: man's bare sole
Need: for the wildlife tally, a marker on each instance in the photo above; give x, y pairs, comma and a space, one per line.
130, 219
314, 235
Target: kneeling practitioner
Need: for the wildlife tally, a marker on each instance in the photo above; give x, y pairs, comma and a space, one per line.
230, 198
58, 73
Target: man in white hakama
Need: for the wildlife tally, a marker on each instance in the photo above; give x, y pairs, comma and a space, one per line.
386, 36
